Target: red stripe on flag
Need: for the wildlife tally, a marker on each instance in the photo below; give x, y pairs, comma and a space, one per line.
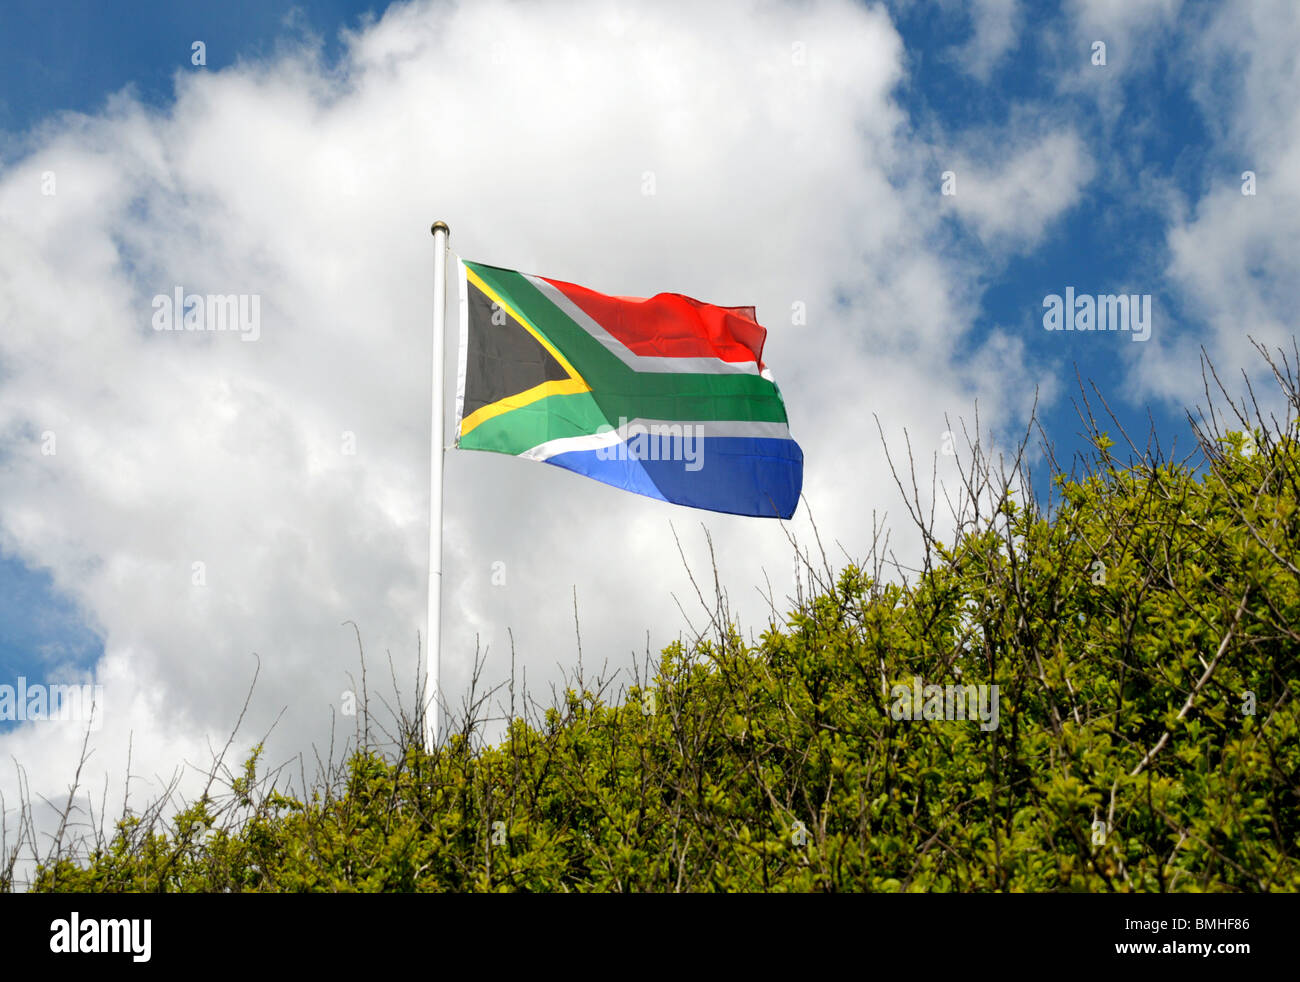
670, 325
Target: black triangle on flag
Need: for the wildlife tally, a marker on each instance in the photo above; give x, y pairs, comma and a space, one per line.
503, 358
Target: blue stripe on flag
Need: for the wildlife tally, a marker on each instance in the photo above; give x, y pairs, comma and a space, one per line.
755, 476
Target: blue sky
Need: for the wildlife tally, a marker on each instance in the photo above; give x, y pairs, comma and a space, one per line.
1122, 177
71, 56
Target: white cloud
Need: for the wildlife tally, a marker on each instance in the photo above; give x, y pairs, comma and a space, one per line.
1135, 35
1010, 189
996, 28
1123, 16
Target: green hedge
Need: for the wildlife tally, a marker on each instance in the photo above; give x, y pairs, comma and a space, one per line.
1141, 629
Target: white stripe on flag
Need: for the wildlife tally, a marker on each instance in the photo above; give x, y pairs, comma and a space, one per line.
660, 427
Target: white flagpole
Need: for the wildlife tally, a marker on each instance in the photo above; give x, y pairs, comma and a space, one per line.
433, 640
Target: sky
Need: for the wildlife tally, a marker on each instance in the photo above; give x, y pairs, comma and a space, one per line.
897, 187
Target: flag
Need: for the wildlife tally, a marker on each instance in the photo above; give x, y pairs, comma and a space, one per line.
665, 396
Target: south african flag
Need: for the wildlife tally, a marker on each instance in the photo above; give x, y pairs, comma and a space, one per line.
665, 396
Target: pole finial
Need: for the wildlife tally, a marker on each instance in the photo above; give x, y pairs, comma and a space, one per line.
433, 229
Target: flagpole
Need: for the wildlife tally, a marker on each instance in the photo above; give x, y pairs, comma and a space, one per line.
433, 641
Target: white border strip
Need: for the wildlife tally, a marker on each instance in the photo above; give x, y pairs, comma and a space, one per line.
711, 428
463, 286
